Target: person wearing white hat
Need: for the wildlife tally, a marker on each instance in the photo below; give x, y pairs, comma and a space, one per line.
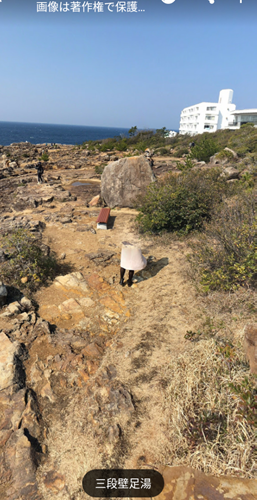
132, 260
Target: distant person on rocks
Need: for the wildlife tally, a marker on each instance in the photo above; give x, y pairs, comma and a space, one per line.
40, 172
132, 260
192, 145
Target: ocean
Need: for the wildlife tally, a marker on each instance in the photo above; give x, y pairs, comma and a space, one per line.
40, 133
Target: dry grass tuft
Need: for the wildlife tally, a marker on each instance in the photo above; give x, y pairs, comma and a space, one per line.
212, 407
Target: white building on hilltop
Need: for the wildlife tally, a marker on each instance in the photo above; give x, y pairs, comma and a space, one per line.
240, 117
208, 116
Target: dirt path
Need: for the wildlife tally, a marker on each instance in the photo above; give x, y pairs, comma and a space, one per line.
117, 419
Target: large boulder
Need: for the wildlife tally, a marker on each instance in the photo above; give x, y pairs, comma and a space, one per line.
125, 180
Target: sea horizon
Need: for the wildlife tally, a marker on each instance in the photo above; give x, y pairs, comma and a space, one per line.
41, 133
50, 133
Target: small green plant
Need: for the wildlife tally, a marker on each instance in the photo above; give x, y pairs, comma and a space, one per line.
193, 336
100, 168
44, 157
188, 164
26, 260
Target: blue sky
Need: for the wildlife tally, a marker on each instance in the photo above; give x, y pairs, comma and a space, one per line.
125, 69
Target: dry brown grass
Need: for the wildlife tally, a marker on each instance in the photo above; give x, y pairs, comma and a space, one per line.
211, 427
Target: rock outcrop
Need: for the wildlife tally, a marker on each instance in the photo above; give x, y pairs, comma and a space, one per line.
123, 181
189, 484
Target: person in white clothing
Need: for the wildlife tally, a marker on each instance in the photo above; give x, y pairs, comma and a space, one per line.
132, 260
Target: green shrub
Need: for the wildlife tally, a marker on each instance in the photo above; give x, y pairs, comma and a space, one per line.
180, 203
26, 260
224, 154
122, 145
162, 151
141, 146
108, 145
227, 256
188, 164
180, 152
100, 168
44, 157
204, 148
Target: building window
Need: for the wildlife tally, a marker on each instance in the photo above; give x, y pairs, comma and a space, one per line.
211, 108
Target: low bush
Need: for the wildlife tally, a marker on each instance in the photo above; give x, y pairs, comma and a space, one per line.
188, 164
225, 154
26, 260
180, 203
162, 151
211, 406
227, 255
108, 145
180, 152
100, 168
44, 157
122, 145
204, 148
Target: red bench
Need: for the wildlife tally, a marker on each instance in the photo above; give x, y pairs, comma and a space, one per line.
102, 219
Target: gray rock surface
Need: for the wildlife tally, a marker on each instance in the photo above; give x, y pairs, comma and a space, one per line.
123, 181
3, 294
230, 173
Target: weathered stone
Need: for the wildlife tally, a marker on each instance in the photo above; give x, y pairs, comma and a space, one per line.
123, 181
70, 306
230, 173
22, 462
14, 308
92, 351
86, 302
46, 392
3, 294
95, 201
189, 484
71, 281
8, 362
65, 220
250, 345
26, 303
54, 481
231, 151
